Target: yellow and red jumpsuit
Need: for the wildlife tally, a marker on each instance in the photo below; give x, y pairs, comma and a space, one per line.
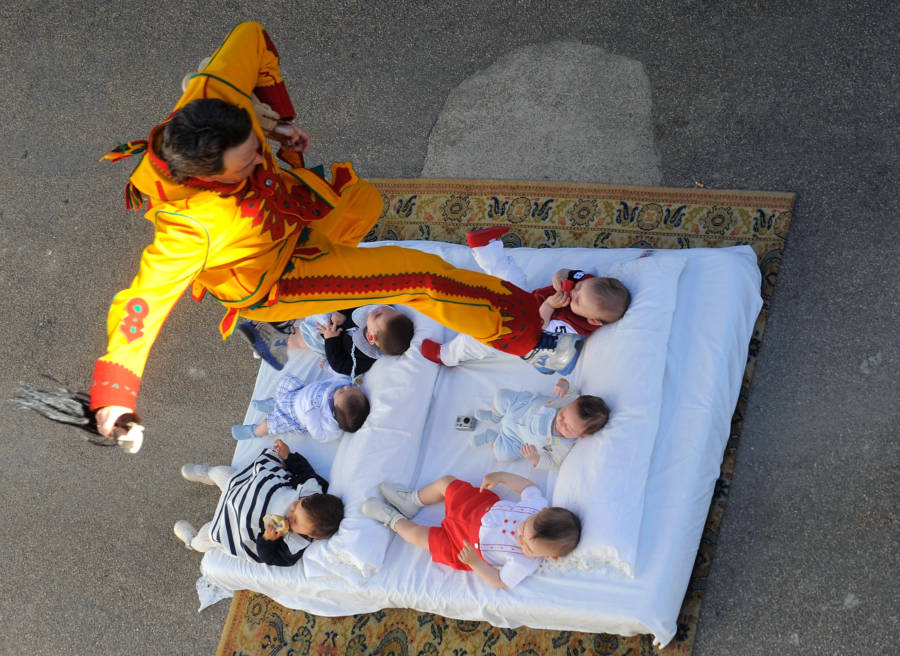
280, 244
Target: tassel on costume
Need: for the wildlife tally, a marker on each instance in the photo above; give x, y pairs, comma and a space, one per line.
124, 150
134, 199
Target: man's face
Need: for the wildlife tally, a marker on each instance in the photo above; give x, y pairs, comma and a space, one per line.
238, 162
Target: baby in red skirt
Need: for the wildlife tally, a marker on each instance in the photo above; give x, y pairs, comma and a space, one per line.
501, 541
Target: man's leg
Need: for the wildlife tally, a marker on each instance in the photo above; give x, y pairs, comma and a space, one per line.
354, 216
351, 219
463, 348
325, 277
493, 260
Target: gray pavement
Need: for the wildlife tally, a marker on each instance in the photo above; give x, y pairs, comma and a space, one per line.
759, 95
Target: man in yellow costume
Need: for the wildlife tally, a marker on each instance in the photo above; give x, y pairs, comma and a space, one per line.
272, 244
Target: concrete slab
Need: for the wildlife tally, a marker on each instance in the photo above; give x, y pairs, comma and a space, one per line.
556, 111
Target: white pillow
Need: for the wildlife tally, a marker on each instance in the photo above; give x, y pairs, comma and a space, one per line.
386, 447
603, 478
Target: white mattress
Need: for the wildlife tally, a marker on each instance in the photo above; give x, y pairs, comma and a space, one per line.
671, 374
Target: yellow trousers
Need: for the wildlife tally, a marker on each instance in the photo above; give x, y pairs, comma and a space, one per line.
329, 272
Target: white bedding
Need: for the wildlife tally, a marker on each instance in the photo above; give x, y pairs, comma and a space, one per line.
671, 372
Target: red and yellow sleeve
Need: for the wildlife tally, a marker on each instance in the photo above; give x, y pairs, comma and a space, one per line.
245, 64
167, 268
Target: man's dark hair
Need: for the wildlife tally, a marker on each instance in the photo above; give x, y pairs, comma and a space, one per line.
594, 411
559, 526
195, 139
326, 512
352, 415
397, 334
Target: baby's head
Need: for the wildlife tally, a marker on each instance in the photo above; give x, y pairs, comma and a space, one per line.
599, 300
389, 330
582, 417
351, 407
317, 516
550, 533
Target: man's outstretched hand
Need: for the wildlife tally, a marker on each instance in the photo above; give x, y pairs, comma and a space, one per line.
106, 418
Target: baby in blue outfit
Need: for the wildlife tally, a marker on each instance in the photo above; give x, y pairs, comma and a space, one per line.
542, 429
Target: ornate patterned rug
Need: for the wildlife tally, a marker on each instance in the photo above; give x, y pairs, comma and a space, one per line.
542, 215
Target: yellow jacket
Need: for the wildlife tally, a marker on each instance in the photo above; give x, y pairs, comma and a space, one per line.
233, 241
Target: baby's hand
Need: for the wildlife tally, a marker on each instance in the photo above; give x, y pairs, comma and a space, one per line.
561, 388
559, 279
558, 300
490, 480
281, 449
530, 453
468, 555
272, 533
337, 318
330, 330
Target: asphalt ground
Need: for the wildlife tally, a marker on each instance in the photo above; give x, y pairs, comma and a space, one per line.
756, 95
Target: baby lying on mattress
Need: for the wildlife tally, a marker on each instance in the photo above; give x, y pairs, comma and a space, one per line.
541, 429
573, 306
501, 541
269, 511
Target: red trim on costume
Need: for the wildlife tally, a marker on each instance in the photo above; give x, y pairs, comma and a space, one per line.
518, 307
113, 384
226, 326
155, 159
273, 206
276, 97
270, 45
522, 319
342, 176
308, 251
198, 291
